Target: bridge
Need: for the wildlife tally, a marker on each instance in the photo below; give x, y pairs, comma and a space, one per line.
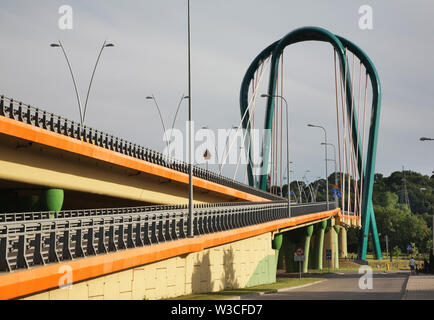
82, 207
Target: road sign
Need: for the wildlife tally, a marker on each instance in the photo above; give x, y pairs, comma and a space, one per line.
299, 258
299, 252
409, 247
328, 254
207, 154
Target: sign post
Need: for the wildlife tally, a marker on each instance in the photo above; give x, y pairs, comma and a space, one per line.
298, 256
329, 257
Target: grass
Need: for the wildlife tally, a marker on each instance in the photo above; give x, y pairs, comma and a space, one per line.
398, 263
279, 284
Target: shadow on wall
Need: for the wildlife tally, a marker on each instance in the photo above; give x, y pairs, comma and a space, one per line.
228, 279
214, 271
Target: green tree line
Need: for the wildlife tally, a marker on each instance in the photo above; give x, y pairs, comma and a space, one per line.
402, 224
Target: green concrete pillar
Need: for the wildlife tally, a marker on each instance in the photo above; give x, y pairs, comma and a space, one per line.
336, 246
343, 251
308, 231
319, 244
276, 244
329, 239
52, 199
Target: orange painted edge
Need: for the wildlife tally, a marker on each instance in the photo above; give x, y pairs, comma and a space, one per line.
28, 132
22, 283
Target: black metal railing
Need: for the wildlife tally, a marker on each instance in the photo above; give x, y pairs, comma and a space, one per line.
40, 118
38, 238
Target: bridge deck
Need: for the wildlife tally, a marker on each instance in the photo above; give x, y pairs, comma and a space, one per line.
230, 223
46, 129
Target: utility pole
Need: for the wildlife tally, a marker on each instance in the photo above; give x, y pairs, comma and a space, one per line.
190, 138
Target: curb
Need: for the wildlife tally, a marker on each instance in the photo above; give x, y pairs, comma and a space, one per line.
258, 294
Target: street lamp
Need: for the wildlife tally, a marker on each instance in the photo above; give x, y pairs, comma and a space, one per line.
325, 148
161, 118
285, 176
104, 45
336, 178
59, 45
177, 109
287, 146
190, 134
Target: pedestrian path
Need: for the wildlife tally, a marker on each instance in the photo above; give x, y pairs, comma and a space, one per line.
420, 287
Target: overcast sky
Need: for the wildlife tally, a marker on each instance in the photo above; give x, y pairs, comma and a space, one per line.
150, 57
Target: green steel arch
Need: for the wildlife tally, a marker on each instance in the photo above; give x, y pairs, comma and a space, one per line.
339, 43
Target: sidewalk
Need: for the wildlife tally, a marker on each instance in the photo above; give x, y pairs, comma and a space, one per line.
420, 287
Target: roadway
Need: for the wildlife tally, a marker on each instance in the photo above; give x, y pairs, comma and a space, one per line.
345, 286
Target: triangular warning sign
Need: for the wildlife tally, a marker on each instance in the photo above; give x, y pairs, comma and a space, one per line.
207, 154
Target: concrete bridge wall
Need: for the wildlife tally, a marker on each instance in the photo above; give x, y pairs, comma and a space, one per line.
239, 264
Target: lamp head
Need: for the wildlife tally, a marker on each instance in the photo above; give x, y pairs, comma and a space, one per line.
264, 95
54, 45
109, 45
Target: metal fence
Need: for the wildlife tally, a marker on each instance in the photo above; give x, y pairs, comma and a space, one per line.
42, 119
38, 238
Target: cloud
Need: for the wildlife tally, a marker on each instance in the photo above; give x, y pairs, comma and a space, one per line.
150, 57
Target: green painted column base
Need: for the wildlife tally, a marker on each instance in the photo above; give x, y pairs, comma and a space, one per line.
52, 199
319, 244
337, 229
308, 231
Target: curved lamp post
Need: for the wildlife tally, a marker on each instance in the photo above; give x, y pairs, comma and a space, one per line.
287, 146
176, 113
82, 113
59, 45
104, 45
161, 118
334, 160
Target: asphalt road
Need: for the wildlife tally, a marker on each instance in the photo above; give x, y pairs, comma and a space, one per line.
345, 286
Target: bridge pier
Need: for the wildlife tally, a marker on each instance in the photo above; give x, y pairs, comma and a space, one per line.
52, 199
276, 244
331, 243
335, 256
319, 244
343, 253
308, 231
